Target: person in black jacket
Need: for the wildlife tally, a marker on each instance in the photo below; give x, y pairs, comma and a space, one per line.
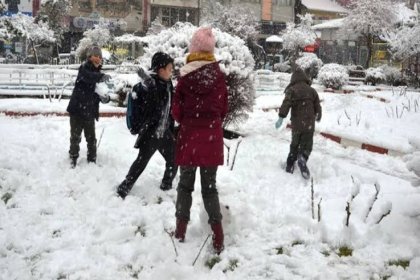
84, 105
157, 127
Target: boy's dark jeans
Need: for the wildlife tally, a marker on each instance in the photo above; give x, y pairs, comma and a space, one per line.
166, 147
302, 143
208, 192
77, 125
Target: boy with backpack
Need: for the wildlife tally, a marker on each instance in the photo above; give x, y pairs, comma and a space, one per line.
84, 104
148, 115
303, 100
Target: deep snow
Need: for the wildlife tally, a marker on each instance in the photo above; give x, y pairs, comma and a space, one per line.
63, 223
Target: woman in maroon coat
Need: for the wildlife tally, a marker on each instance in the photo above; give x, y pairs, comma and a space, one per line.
200, 106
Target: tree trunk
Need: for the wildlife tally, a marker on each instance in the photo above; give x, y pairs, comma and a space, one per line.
34, 50
293, 58
298, 11
369, 43
58, 53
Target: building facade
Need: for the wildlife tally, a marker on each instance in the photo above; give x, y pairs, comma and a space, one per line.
323, 10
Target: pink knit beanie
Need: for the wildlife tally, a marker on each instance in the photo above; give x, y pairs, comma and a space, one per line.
202, 41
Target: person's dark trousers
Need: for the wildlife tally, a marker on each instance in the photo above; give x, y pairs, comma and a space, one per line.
302, 143
166, 147
208, 191
77, 125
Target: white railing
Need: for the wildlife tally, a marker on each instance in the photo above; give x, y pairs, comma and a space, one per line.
39, 80
35, 80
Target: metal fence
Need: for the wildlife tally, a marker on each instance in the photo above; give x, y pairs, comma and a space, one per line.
33, 80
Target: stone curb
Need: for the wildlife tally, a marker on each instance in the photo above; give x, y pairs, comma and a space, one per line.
364, 146
349, 91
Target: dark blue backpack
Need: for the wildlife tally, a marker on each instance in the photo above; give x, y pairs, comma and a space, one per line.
134, 110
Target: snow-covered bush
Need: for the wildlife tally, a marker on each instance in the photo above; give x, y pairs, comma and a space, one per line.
392, 75
282, 67
310, 63
374, 76
333, 75
235, 61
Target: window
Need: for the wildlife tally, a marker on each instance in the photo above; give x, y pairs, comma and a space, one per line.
282, 2
268, 27
171, 15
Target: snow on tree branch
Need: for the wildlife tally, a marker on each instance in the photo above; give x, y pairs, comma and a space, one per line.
404, 42
21, 25
236, 20
370, 17
298, 36
99, 35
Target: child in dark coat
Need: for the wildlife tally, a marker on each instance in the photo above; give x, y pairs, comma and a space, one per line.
156, 132
84, 105
303, 100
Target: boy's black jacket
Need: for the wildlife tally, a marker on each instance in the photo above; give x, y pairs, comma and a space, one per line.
153, 100
84, 102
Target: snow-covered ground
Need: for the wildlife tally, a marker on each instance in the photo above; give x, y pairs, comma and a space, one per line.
62, 223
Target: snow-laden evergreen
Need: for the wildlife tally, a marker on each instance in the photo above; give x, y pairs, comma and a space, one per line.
392, 74
333, 75
235, 61
375, 75
405, 41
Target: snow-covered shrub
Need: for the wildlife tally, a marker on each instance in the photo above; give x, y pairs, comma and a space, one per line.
356, 71
310, 63
374, 76
235, 61
282, 67
392, 75
333, 75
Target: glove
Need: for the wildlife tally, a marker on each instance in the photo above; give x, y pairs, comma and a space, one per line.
318, 117
279, 122
105, 78
105, 98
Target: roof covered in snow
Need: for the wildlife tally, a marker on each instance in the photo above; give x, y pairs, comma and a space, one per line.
324, 5
274, 39
329, 24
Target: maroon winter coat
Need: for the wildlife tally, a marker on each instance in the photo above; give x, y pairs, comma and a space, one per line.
199, 105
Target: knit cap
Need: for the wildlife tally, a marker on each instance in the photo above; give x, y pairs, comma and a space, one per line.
94, 50
202, 41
